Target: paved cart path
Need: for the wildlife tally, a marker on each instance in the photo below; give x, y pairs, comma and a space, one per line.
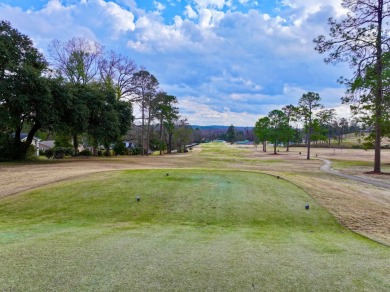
327, 167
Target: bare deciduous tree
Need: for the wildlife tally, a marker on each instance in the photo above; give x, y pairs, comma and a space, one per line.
76, 59
117, 71
144, 91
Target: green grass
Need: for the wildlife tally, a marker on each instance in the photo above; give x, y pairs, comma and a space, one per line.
193, 230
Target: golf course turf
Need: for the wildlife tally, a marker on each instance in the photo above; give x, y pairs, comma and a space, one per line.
192, 230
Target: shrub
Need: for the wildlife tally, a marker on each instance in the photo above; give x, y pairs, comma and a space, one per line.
59, 152
119, 148
135, 151
49, 153
85, 152
31, 153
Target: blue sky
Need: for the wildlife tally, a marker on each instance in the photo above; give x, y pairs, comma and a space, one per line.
227, 61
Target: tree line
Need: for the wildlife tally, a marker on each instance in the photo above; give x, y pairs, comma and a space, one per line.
361, 39
319, 125
83, 90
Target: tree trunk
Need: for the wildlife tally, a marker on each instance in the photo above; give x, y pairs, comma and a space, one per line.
161, 134
75, 144
16, 145
169, 143
308, 143
21, 149
148, 131
378, 91
143, 130
95, 147
107, 147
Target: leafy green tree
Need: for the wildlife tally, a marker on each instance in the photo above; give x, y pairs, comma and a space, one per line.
74, 110
279, 129
307, 104
182, 134
340, 127
77, 62
63, 140
361, 39
262, 131
169, 126
109, 118
319, 132
231, 134
364, 108
326, 118
25, 94
167, 115
291, 113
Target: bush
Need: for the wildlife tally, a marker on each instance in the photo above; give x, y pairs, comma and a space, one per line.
357, 147
120, 148
135, 151
31, 153
85, 152
59, 152
49, 153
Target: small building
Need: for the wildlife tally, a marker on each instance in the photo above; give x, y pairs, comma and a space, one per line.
245, 142
129, 144
35, 141
45, 145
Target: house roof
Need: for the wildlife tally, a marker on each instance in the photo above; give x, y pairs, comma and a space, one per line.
23, 136
48, 143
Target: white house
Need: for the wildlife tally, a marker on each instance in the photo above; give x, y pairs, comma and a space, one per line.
35, 141
45, 145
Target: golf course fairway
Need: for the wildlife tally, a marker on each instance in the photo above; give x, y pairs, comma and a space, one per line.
191, 230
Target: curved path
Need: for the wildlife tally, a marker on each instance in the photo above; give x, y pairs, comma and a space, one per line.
327, 167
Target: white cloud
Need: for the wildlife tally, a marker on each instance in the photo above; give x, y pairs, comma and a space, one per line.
90, 19
190, 13
203, 115
159, 6
225, 66
213, 3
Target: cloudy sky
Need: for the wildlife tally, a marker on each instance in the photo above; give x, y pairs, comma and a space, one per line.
227, 61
